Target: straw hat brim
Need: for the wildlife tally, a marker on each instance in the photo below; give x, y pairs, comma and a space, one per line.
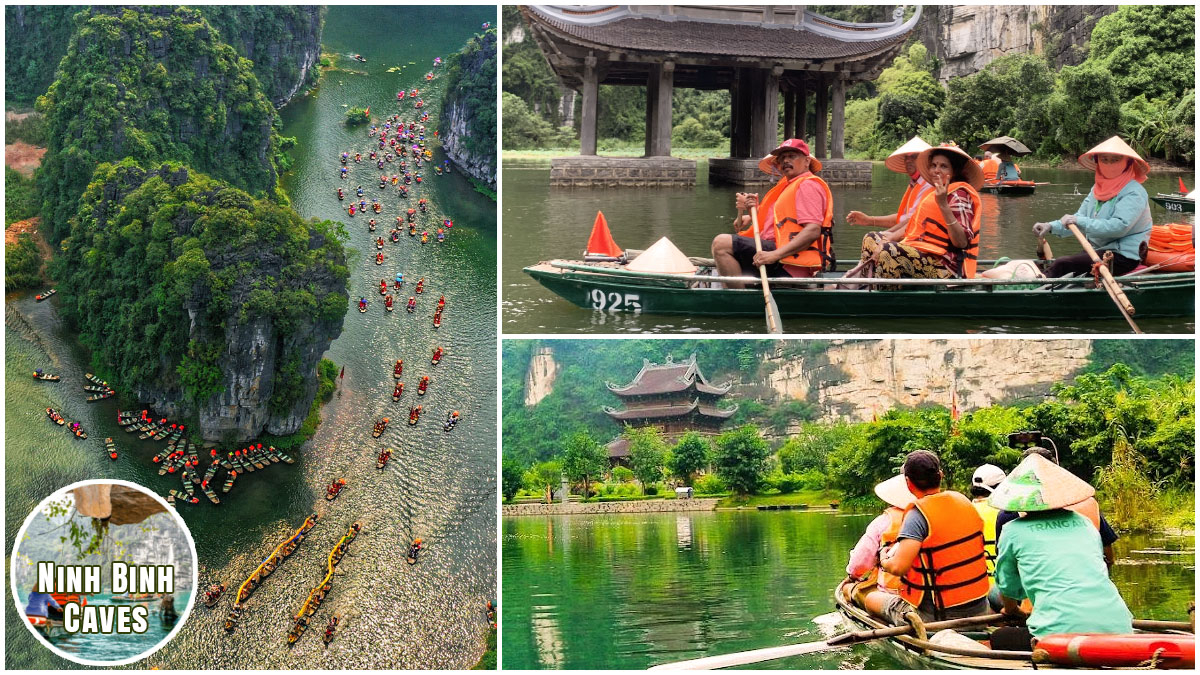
895, 491
767, 164
972, 172
1037, 484
895, 161
1116, 146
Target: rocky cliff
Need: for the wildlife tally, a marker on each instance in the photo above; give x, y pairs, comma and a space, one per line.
539, 379
855, 380
468, 122
965, 38
283, 42
35, 39
201, 300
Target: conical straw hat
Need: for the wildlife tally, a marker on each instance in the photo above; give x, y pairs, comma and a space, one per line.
1037, 484
895, 491
601, 241
1116, 146
895, 161
971, 170
664, 258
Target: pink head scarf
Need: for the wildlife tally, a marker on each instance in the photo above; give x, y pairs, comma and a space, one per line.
1112, 178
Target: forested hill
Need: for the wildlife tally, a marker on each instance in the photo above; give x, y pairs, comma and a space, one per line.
152, 83
468, 128
35, 39
201, 300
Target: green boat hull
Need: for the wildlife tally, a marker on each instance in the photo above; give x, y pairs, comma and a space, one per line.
1176, 205
1172, 296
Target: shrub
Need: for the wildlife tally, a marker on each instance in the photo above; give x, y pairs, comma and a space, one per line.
709, 485
622, 474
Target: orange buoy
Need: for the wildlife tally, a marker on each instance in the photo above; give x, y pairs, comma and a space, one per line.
1096, 650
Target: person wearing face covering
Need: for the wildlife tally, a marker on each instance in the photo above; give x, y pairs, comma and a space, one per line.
1115, 216
795, 220
903, 160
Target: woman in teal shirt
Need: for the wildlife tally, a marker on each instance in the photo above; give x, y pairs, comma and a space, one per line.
1053, 556
1115, 216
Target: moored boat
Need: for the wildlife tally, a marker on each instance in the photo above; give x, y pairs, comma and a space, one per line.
1176, 202
91, 388
95, 380
100, 397
42, 296
608, 287
110, 448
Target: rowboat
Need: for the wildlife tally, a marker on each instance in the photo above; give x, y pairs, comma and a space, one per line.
100, 397
43, 296
95, 380
921, 654
47, 377
1009, 187
1175, 202
608, 287
383, 458
110, 448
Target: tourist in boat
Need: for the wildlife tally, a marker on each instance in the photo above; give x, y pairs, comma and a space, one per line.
340, 194
1115, 215
983, 483
938, 552
1053, 556
362, 304
345, 173
43, 605
943, 241
399, 279
412, 303
863, 567
800, 201
903, 160
990, 165
1006, 169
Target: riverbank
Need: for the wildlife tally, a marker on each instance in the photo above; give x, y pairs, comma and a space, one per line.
631, 506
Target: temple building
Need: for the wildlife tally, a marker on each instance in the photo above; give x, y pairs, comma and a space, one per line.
675, 397
760, 53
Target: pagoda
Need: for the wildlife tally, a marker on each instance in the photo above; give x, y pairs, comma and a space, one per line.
674, 396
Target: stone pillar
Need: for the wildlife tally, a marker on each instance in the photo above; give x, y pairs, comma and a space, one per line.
789, 114
802, 106
821, 146
587, 123
739, 127
764, 129
658, 129
838, 123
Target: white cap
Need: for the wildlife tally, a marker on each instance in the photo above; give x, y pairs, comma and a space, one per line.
987, 477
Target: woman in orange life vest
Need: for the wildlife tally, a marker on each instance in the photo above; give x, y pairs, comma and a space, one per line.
863, 567
799, 207
941, 240
938, 553
903, 160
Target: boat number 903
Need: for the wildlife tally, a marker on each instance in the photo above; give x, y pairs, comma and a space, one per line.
614, 302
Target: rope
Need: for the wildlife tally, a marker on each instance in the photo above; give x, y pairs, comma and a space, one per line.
1153, 662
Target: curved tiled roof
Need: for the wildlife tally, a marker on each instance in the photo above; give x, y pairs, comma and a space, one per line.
675, 410
670, 377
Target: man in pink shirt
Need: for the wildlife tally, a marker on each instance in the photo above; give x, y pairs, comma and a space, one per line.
810, 206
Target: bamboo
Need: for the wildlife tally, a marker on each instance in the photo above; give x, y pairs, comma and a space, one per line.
774, 324
1110, 284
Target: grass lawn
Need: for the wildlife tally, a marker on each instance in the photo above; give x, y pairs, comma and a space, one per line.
815, 498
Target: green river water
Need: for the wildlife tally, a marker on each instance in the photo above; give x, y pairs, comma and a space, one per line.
542, 223
642, 589
438, 486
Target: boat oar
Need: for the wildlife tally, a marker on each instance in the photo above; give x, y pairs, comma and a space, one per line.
774, 325
1106, 277
843, 640
1043, 250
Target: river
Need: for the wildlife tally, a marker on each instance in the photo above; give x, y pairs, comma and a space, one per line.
542, 223
438, 486
636, 590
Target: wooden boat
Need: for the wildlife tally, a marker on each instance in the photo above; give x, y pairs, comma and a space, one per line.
212, 495
451, 421
414, 414
95, 389
608, 287
148, 430
42, 296
100, 397
383, 458
126, 419
414, 549
924, 655
95, 380
437, 318
163, 431
398, 391
421, 285
398, 369
230, 476
335, 488
213, 595
1009, 187
423, 385
362, 307
380, 427
47, 377
437, 356
110, 448
287, 459
1176, 202
331, 628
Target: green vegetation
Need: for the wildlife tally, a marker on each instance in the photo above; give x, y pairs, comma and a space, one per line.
471, 83
178, 94
1138, 80
273, 37
22, 264
583, 460
20, 197
154, 253
740, 459
488, 660
30, 129
327, 373
356, 116
36, 37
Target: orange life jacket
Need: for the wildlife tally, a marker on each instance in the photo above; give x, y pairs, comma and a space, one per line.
889, 536
926, 231
990, 167
951, 564
1170, 238
908, 201
782, 198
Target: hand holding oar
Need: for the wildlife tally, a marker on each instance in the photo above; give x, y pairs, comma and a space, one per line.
843, 640
774, 325
1043, 248
1106, 277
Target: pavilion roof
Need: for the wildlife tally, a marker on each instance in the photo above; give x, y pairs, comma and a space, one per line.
670, 377
670, 410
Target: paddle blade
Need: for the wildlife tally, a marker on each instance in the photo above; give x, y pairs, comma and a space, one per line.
774, 322
745, 658
601, 241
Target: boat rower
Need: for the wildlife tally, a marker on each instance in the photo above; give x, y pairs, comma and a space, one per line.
902, 160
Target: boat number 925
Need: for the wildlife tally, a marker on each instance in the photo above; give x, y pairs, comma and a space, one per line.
614, 302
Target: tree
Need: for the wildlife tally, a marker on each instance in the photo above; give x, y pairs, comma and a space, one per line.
689, 456
511, 478
1086, 105
543, 477
584, 458
646, 451
740, 457
1148, 49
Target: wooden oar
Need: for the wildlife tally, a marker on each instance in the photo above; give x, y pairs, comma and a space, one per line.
843, 640
1110, 284
1043, 250
774, 324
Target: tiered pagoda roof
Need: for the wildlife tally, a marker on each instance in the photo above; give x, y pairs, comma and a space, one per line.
669, 378
672, 390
